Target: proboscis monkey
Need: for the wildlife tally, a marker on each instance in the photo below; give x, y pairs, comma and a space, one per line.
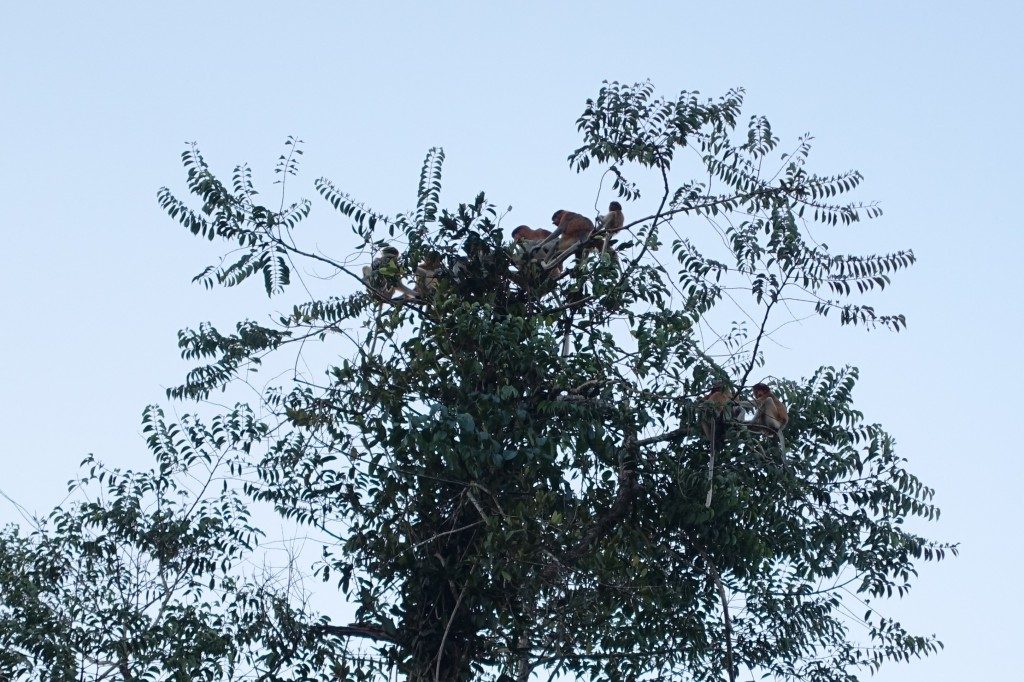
609, 224
384, 275
572, 230
525, 233
771, 413
717, 412
525, 237
426, 274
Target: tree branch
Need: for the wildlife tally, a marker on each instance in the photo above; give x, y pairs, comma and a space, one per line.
444, 637
725, 616
355, 630
624, 499
681, 432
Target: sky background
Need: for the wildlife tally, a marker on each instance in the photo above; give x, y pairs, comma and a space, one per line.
925, 98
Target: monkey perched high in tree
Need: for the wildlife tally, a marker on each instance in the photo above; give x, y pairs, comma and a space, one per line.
493, 509
610, 224
571, 233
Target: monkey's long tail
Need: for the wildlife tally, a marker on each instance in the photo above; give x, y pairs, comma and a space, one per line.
573, 297
567, 335
717, 436
711, 472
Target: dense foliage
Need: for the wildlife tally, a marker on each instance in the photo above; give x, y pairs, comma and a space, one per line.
492, 507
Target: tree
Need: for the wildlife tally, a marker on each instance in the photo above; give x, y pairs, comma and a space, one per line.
492, 505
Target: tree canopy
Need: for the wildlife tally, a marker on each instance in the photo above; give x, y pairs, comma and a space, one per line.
491, 506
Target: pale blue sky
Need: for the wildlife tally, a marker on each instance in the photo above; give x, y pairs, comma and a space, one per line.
925, 98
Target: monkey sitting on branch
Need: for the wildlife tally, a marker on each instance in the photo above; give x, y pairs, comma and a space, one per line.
607, 226
718, 411
770, 413
524, 240
572, 231
427, 273
384, 275
529, 237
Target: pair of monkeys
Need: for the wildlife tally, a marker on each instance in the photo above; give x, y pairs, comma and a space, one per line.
770, 414
572, 234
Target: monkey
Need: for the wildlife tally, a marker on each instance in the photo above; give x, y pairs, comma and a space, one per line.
718, 410
771, 415
571, 228
427, 273
614, 220
717, 413
383, 276
609, 224
525, 238
572, 231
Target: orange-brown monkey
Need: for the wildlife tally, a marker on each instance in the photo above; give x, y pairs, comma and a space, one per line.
713, 425
571, 228
717, 411
524, 233
526, 238
572, 231
771, 416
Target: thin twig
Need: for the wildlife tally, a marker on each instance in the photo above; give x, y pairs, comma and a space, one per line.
444, 637
725, 616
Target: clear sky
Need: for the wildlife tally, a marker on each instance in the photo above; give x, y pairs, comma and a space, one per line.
925, 98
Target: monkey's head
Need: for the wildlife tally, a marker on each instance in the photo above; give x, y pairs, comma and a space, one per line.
520, 232
432, 260
557, 216
389, 252
615, 206
721, 387
761, 390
